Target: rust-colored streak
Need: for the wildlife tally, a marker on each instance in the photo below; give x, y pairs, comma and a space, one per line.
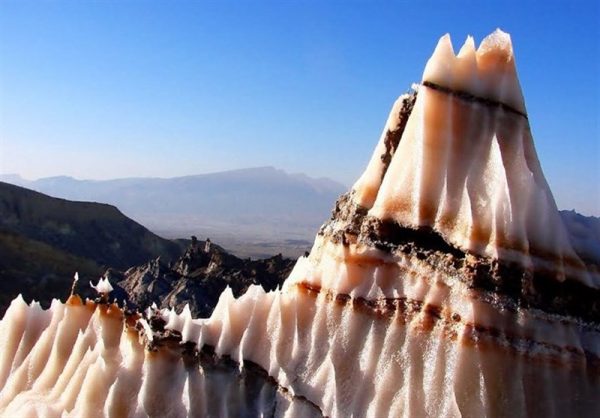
537, 289
112, 311
362, 259
424, 316
132, 318
74, 300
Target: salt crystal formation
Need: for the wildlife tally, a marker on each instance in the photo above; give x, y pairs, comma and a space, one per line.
444, 284
88, 360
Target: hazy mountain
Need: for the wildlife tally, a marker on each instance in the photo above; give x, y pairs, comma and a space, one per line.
44, 240
584, 232
255, 204
92, 230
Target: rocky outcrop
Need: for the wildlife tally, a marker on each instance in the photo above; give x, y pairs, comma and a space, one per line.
197, 278
44, 240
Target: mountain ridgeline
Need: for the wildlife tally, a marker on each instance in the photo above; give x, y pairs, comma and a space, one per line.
91, 230
250, 205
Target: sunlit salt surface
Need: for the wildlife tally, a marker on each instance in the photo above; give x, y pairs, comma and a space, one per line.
88, 362
444, 285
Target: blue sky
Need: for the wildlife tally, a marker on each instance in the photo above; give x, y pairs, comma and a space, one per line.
140, 88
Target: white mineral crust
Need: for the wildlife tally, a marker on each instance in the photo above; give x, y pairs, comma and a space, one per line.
103, 286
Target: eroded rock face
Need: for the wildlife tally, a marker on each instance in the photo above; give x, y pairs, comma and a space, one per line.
443, 285
197, 279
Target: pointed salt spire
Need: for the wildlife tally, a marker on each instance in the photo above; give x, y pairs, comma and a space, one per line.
103, 287
174, 321
440, 67
497, 44
147, 329
497, 71
465, 76
75, 280
468, 48
466, 165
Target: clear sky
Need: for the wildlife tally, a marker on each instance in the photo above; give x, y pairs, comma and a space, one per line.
139, 88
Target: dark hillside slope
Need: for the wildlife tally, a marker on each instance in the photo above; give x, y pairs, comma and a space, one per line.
44, 241
95, 231
38, 271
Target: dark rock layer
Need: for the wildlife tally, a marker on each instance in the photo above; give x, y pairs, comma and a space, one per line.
517, 286
197, 278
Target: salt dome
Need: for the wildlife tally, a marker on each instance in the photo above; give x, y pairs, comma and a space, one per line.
444, 284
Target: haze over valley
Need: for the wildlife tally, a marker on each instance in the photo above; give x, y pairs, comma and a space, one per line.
254, 212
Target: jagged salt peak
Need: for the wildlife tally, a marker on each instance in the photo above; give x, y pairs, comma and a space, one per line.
488, 72
466, 164
103, 286
79, 359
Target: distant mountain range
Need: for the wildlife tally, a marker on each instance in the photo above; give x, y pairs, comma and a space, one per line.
250, 205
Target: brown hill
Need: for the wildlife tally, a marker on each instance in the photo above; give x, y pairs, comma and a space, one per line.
44, 240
